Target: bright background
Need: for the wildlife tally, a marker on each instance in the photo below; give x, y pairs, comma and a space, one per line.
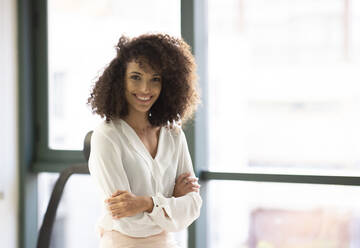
283, 98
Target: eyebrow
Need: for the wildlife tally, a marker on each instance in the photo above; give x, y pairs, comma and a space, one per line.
138, 73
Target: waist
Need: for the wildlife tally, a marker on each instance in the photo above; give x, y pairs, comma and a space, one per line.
136, 226
163, 239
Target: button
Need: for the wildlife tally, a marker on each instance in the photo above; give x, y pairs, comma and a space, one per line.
157, 205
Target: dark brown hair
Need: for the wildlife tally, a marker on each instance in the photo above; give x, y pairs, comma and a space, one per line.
171, 57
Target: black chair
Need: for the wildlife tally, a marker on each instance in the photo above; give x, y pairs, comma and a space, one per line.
49, 218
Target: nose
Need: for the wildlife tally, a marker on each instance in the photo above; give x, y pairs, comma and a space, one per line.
145, 86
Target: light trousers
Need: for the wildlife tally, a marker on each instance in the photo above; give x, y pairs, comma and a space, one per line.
115, 239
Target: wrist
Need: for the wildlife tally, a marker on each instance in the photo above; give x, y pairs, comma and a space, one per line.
148, 204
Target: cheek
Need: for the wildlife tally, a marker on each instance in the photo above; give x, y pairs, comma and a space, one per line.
128, 94
158, 89
129, 87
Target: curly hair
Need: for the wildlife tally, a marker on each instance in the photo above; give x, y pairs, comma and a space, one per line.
170, 56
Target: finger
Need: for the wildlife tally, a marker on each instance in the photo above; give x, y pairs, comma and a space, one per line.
114, 207
189, 178
192, 180
196, 183
182, 176
118, 192
118, 216
112, 201
191, 186
115, 194
118, 209
195, 186
191, 189
116, 213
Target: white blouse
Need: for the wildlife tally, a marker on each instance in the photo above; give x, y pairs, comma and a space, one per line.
120, 161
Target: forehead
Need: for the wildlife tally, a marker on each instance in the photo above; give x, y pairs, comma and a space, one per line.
140, 66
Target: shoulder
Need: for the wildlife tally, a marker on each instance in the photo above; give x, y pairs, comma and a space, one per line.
104, 133
176, 133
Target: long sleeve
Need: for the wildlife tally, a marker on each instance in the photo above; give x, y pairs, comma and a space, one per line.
105, 165
182, 211
106, 168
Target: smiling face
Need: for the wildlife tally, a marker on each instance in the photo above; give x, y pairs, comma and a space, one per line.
142, 86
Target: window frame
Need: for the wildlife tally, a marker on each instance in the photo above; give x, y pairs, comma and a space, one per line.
46, 159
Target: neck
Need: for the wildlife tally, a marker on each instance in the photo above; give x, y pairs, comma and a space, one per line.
138, 120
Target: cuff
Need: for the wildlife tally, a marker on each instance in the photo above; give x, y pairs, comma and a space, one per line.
160, 203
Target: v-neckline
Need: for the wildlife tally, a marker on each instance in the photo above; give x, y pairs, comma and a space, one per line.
142, 143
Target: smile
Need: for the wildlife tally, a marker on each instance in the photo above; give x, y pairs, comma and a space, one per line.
143, 99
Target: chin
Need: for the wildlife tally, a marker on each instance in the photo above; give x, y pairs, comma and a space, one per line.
143, 110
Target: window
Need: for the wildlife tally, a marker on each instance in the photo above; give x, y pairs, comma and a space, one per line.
78, 212
283, 107
282, 215
280, 107
64, 46
283, 75
81, 42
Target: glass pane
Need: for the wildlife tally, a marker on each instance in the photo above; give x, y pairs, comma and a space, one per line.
81, 40
78, 212
276, 215
284, 89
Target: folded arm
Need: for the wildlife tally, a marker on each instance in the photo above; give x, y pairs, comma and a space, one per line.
109, 175
171, 214
178, 212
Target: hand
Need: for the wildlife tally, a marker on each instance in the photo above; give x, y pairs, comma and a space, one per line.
185, 184
124, 204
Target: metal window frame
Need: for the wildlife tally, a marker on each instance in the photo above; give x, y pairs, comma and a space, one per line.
194, 32
46, 159
26, 138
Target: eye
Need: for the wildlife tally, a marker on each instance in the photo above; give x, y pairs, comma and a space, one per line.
156, 79
135, 77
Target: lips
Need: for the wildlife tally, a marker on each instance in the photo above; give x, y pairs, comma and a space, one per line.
143, 99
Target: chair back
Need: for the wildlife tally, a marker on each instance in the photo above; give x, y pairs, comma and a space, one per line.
49, 217
86, 148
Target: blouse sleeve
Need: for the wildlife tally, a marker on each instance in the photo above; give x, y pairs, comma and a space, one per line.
182, 211
107, 171
105, 165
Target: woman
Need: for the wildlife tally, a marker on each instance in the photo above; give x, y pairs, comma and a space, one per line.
139, 156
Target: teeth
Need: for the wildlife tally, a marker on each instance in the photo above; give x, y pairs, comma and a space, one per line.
143, 98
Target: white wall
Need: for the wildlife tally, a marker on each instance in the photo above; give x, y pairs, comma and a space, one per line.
8, 125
